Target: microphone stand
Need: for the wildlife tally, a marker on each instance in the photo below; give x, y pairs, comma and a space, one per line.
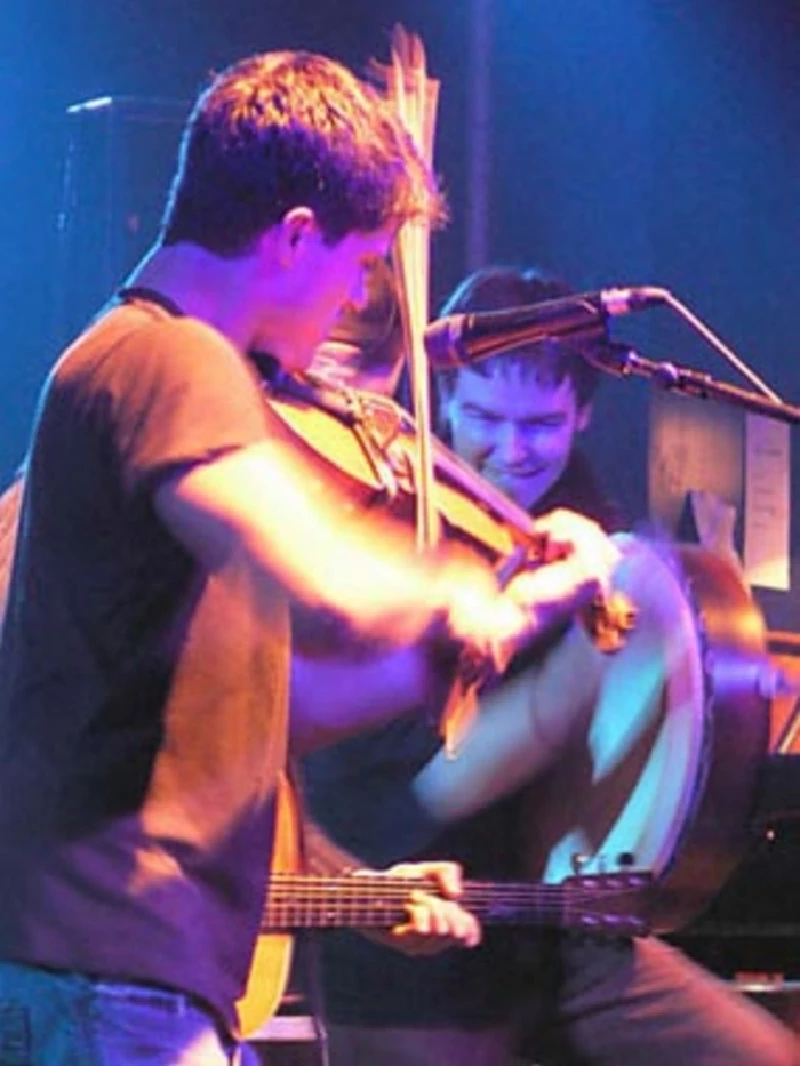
622, 361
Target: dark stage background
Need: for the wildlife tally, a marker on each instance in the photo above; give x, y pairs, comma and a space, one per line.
628, 142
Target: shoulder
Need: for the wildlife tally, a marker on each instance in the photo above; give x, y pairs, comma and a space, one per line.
131, 359
133, 338
155, 390
579, 489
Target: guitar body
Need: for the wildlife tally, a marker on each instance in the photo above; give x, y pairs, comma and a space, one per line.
608, 904
266, 982
272, 958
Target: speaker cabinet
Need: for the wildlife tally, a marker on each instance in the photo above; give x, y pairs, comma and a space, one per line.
120, 157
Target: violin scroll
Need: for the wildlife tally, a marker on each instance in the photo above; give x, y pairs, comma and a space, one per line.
608, 620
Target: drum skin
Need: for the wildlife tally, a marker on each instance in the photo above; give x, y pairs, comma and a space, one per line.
660, 772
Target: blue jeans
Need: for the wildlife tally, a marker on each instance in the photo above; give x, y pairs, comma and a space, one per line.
68, 1019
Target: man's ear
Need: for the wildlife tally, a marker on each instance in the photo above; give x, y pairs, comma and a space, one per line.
294, 230
584, 417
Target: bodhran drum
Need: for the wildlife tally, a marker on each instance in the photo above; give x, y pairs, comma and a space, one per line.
661, 774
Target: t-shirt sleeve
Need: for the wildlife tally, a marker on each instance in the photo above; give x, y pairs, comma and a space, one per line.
180, 394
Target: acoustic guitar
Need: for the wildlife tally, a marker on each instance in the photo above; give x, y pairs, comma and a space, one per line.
605, 904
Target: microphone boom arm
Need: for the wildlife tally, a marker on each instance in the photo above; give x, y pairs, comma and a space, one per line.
622, 361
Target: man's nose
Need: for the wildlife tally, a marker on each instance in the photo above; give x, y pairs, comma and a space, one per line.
513, 443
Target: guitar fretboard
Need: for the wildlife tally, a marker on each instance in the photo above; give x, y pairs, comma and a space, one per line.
608, 904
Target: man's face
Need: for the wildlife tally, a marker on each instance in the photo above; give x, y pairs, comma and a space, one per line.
513, 429
323, 279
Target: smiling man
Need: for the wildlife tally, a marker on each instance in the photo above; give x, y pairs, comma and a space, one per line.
516, 417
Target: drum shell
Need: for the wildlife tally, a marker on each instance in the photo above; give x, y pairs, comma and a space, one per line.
679, 798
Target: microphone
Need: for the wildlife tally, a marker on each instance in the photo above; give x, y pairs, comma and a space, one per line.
458, 340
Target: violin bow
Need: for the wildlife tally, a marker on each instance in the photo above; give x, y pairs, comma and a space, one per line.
415, 97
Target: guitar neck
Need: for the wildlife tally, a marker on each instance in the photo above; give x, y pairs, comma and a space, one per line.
602, 903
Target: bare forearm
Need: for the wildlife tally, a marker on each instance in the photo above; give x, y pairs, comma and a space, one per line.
262, 515
521, 727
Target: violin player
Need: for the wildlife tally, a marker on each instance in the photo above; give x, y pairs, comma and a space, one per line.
167, 518
551, 998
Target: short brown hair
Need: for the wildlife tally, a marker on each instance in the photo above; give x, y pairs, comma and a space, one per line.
286, 129
498, 288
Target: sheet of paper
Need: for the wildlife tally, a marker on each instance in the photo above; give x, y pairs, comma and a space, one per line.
767, 505
694, 447
715, 521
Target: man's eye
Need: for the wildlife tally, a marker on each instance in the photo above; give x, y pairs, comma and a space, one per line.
541, 425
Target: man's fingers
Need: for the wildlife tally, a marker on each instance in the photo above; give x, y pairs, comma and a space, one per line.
435, 920
444, 876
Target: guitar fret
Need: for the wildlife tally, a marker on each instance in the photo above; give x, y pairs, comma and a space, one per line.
599, 903
299, 900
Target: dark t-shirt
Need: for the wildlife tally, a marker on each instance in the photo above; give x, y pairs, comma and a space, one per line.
142, 700
360, 792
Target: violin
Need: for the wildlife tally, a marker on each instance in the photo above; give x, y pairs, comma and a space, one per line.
368, 441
